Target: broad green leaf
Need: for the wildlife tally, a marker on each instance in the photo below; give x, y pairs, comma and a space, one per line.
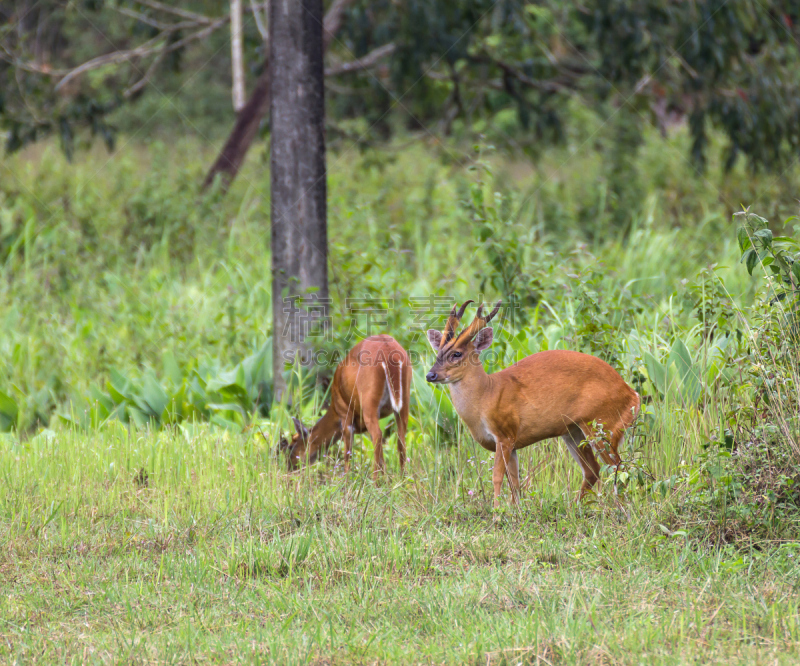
752, 260
236, 393
224, 423
258, 367
691, 388
172, 370
765, 235
744, 239
9, 411
119, 387
138, 417
228, 380
656, 372
679, 354
227, 407
153, 399
101, 400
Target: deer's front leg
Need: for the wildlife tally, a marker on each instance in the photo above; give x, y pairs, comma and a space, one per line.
349, 431
502, 459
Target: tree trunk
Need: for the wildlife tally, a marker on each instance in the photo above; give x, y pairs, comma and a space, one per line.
298, 180
232, 155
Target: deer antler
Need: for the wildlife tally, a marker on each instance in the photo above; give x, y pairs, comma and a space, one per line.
480, 321
452, 322
494, 312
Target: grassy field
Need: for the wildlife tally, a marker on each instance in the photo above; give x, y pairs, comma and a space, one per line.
219, 556
143, 519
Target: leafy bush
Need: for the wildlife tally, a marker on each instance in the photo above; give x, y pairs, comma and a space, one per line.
228, 398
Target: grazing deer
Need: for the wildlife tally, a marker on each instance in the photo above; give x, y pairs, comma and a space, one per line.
372, 382
555, 393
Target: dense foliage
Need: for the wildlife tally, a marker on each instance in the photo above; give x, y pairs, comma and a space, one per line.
511, 68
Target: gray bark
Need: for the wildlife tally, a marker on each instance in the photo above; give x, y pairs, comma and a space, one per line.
298, 178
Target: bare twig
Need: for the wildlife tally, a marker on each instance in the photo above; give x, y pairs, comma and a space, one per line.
142, 82
34, 67
369, 60
150, 47
513, 72
145, 49
163, 27
494, 84
261, 19
142, 18
177, 11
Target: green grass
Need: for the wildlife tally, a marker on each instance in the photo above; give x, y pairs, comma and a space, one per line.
119, 265
223, 557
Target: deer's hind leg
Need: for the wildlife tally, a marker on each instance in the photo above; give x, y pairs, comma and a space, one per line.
606, 445
401, 419
512, 473
583, 454
371, 409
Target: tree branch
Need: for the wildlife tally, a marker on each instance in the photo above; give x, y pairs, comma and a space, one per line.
148, 48
260, 24
142, 82
142, 18
333, 21
365, 62
511, 71
177, 11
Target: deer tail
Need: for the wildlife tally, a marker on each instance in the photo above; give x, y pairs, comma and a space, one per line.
394, 382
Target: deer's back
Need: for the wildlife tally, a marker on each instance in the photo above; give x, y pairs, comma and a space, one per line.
557, 388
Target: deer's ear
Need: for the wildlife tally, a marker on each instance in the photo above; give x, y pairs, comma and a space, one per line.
483, 339
435, 338
301, 429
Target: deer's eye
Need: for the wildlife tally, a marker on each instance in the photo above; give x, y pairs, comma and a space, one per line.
456, 354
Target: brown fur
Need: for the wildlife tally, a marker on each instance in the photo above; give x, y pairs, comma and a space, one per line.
554, 393
372, 382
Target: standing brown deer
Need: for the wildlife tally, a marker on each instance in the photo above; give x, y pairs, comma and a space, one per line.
553, 393
372, 382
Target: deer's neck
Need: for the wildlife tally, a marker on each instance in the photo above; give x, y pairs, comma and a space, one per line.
327, 428
469, 396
